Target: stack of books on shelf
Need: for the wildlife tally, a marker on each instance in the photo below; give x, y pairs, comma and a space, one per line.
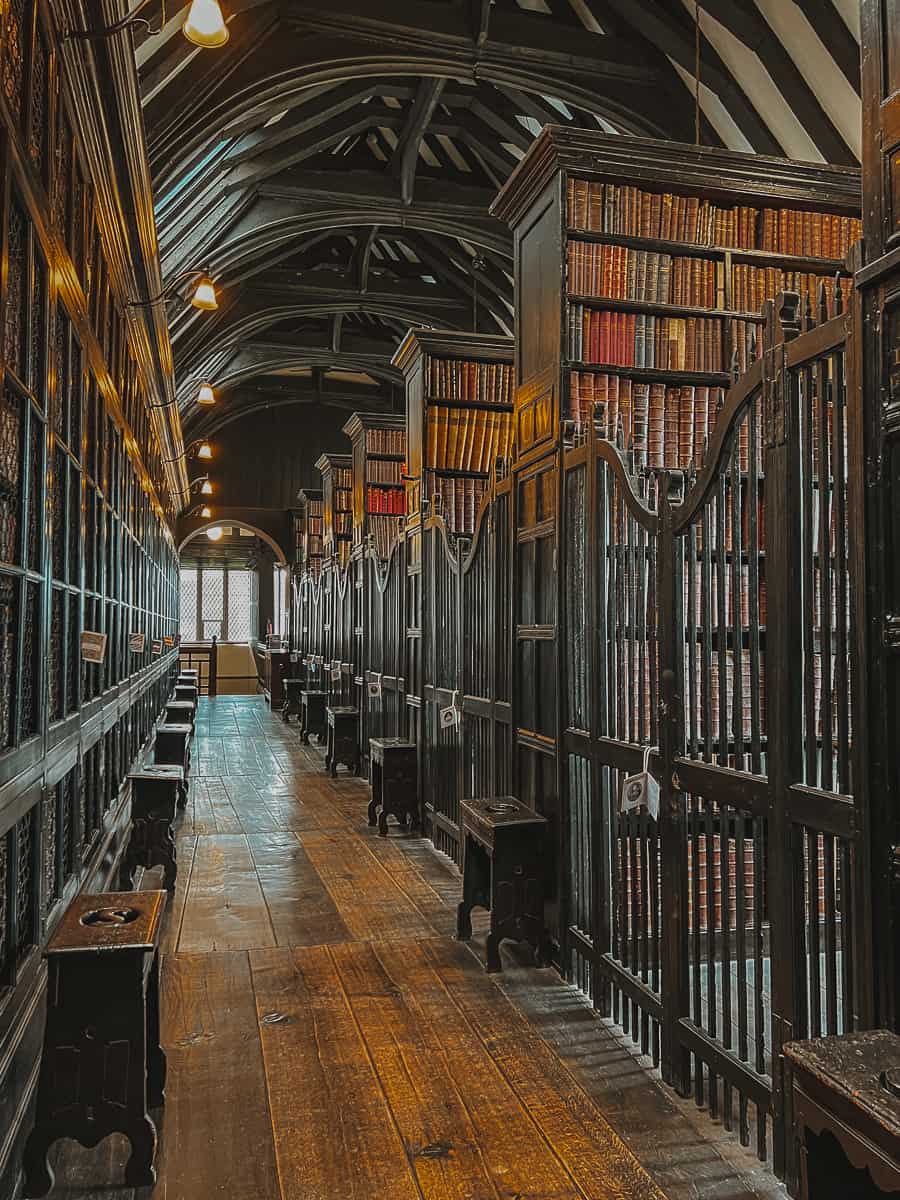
386, 441
477, 382
469, 427
664, 292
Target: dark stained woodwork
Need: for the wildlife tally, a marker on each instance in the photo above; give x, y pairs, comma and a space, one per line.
877, 379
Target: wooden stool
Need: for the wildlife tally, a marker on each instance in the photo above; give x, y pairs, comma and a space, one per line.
180, 712
342, 744
102, 1066
503, 870
849, 1086
394, 769
172, 748
292, 701
312, 719
155, 791
186, 691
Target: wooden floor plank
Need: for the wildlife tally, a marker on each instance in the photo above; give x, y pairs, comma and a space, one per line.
432, 1116
334, 1133
225, 908
518, 1158
187, 849
596, 1157
218, 1134
300, 907
371, 905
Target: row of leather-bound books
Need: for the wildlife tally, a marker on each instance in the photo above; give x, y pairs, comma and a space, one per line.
384, 470
343, 522
653, 277
342, 477
385, 530
468, 381
343, 498
467, 439
665, 425
457, 500
391, 501
629, 211
621, 273
386, 441
626, 339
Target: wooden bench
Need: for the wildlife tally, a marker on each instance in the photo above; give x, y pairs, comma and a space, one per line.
155, 792
503, 870
342, 738
172, 747
847, 1086
102, 1066
394, 774
312, 705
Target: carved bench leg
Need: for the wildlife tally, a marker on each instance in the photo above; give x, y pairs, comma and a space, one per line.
139, 1170
492, 949
38, 1175
373, 810
156, 1058
463, 922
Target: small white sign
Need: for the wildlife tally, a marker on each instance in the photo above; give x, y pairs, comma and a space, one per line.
168, 642
336, 674
449, 716
137, 642
641, 790
374, 686
156, 648
93, 647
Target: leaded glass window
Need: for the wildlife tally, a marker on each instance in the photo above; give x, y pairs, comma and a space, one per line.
26, 884
9, 607
240, 596
14, 55
31, 660
56, 665
212, 603
39, 122
35, 491
50, 882
16, 290
11, 438
58, 494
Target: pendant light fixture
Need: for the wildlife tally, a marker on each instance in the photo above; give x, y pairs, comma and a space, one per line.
204, 296
206, 395
204, 24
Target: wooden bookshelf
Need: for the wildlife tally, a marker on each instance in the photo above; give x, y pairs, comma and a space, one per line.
459, 393
379, 490
642, 266
308, 530
337, 505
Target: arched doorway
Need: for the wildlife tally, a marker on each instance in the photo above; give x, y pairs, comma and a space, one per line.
233, 600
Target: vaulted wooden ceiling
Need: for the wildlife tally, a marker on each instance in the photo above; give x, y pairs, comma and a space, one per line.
333, 164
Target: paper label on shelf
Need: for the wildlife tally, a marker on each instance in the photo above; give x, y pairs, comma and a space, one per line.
93, 647
137, 642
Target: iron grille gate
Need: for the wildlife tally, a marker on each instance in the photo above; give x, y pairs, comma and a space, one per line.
716, 625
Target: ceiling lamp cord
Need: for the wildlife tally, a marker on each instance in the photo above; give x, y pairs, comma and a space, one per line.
478, 265
697, 72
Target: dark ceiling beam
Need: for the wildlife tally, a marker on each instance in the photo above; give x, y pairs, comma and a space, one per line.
673, 33
246, 402
429, 24
746, 22
362, 257
191, 113
262, 166
480, 19
836, 37
304, 119
406, 155
460, 281
337, 328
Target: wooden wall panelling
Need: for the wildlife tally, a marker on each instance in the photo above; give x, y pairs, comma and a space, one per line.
458, 392
877, 375
83, 541
651, 582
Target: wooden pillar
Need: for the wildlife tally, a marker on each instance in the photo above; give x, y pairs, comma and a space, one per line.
878, 374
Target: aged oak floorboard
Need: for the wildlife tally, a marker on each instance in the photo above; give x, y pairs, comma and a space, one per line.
328, 1039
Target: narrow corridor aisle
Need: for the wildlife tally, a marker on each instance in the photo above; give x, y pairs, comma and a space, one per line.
328, 1039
